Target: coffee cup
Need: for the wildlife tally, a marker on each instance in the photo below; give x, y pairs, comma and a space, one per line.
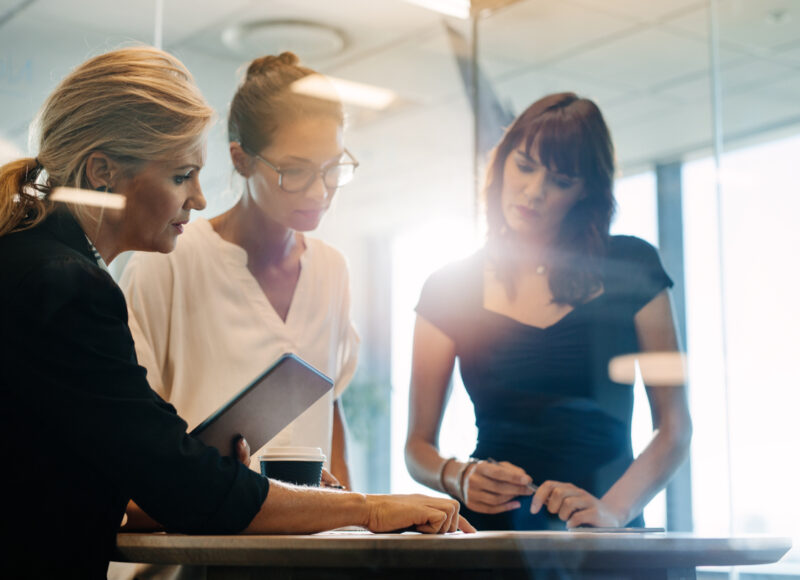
298, 465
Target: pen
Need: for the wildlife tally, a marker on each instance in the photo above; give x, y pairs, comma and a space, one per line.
531, 486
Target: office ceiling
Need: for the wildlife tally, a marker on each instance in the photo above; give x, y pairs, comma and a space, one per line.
646, 63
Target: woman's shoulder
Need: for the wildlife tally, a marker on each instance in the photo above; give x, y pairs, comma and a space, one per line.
460, 270
456, 276
629, 254
67, 280
623, 247
634, 268
35, 257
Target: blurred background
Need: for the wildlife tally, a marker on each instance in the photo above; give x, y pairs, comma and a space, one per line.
703, 101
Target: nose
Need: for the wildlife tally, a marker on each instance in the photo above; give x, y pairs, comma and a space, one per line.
196, 199
318, 190
535, 185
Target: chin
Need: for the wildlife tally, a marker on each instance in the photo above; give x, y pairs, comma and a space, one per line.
164, 246
305, 225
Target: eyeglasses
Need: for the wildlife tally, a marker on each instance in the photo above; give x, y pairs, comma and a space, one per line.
297, 178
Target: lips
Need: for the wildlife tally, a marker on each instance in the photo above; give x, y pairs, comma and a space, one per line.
179, 226
310, 213
527, 212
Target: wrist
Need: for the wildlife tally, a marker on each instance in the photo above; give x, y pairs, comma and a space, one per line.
463, 474
451, 475
440, 478
622, 513
360, 504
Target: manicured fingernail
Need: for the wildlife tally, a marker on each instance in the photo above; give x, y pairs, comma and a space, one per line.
535, 507
243, 442
515, 505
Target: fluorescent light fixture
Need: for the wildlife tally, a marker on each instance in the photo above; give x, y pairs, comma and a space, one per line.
457, 8
350, 92
88, 197
658, 369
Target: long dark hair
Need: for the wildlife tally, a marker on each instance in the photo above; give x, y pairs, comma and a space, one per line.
572, 137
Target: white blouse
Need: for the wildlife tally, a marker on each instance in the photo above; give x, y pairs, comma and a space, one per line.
204, 329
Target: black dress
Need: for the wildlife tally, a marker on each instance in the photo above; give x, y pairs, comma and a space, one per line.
543, 397
81, 430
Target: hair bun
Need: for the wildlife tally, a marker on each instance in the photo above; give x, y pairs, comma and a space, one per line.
266, 64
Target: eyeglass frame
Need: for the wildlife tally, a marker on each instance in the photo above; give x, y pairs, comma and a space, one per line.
319, 172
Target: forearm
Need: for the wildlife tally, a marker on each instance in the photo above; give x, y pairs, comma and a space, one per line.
649, 473
292, 509
339, 467
425, 465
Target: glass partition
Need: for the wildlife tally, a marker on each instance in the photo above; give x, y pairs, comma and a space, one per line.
701, 97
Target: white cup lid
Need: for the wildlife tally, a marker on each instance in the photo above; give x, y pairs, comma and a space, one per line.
292, 454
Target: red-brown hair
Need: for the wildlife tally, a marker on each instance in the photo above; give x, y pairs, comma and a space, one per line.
572, 138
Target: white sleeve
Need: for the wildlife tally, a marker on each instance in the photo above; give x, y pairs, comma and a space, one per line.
147, 283
349, 340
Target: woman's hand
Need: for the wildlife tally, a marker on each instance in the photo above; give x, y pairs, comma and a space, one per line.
329, 480
429, 515
574, 505
490, 488
242, 450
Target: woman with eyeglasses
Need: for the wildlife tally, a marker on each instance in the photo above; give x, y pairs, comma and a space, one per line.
248, 285
132, 124
534, 319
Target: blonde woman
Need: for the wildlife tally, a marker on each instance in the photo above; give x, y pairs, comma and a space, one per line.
130, 122
264, 286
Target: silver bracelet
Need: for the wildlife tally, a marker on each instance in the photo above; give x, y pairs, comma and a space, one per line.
441, 473
462, 473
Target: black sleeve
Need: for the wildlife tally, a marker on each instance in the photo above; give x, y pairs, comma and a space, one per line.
88, 392
445, 297
635, 272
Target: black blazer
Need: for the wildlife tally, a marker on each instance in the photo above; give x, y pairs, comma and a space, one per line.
81, 430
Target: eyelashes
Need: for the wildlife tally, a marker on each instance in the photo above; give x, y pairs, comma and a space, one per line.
180, 179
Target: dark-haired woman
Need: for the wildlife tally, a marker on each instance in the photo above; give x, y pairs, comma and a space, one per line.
246, 286
534, 319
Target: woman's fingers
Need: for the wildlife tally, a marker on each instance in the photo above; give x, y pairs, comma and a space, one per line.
504, 472
465, 526
486, 482
242, 449
490, 508
587, 517
552, 494
573, 504
425, 514
475, 493
492, 487
328, 479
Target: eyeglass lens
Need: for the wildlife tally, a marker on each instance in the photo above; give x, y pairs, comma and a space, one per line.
295, 179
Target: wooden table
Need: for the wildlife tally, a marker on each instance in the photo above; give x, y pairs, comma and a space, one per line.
489, 555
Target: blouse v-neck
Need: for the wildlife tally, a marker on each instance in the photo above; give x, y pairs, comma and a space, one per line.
237, 258
533, 327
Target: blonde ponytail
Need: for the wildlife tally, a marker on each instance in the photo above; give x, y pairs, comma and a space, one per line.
21, 202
